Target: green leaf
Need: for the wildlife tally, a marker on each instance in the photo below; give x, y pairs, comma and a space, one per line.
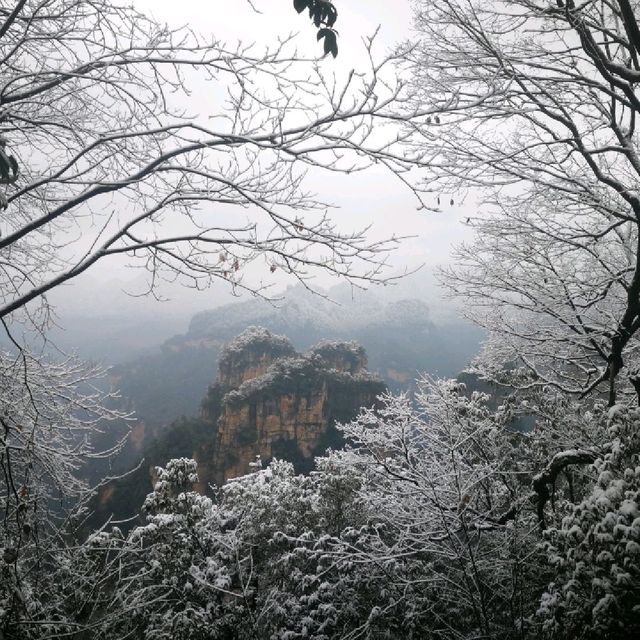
331, 43
300, 5
8, 167
329, 13
331, 16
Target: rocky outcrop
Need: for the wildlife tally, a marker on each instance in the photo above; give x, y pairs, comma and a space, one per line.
267, 401
348, 357
250, 355
270, 401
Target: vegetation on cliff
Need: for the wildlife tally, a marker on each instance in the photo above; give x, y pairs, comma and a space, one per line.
299, 375
251, 344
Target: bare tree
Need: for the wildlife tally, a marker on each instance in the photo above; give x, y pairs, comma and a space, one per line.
100, 158
91, 106
538, 105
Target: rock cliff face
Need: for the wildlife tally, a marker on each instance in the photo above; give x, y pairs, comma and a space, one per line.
250, 355
270, 401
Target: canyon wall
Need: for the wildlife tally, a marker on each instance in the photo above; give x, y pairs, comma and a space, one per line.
270, 401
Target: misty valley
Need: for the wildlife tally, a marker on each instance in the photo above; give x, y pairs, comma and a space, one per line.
181, 394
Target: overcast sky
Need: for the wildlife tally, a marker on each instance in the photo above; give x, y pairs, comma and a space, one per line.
374, 197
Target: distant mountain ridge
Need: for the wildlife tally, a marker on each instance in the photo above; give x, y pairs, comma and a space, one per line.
303, 311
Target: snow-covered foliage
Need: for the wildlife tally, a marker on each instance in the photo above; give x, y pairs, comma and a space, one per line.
343, 353
255, 340
50, 416
447, 492
537, 120
338, 346
240, 568
426, 526
596, 550
294, 374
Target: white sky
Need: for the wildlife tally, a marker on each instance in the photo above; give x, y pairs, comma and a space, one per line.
374, 197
